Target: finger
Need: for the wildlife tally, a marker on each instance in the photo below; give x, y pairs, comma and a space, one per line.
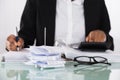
100, 36
20, 42
13, 48
10, 47
11, 37
90, 37
99, 40
86, 39
11, 40
91, 40
19, 46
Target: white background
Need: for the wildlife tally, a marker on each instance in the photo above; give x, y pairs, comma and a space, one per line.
11, 10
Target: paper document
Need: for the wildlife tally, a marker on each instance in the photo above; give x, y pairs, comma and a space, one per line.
45, 57
16, 56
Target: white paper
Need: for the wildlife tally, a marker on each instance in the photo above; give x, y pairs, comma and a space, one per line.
16, 56
110, 55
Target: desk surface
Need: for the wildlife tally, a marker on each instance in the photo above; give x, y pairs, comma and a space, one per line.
17, 70
20, 71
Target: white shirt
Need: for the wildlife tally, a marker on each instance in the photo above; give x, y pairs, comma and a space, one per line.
70, 24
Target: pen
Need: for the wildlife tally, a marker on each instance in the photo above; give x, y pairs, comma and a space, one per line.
17, 38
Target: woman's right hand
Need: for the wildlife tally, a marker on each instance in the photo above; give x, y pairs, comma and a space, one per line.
12, 44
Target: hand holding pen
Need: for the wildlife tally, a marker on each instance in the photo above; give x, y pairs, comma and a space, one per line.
14, 43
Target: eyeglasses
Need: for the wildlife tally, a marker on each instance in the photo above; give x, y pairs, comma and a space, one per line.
88, 60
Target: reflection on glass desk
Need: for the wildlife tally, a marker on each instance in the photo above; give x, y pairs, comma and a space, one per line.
20, 71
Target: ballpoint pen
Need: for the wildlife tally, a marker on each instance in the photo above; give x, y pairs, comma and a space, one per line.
17, 38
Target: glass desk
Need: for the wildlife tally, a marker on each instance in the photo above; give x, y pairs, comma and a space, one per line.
21, 71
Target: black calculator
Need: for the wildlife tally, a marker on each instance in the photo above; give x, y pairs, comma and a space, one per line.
93, 46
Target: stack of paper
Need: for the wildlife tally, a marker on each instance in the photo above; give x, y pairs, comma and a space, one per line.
45, 58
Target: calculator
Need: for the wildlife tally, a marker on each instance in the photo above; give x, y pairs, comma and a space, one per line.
93, 46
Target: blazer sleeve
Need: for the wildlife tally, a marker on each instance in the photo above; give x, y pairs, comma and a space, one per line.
97, 17
105, 25
28, 23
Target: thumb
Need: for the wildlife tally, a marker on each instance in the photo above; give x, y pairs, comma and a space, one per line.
89, 38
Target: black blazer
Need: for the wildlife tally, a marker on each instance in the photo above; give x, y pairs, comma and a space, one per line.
41, 13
